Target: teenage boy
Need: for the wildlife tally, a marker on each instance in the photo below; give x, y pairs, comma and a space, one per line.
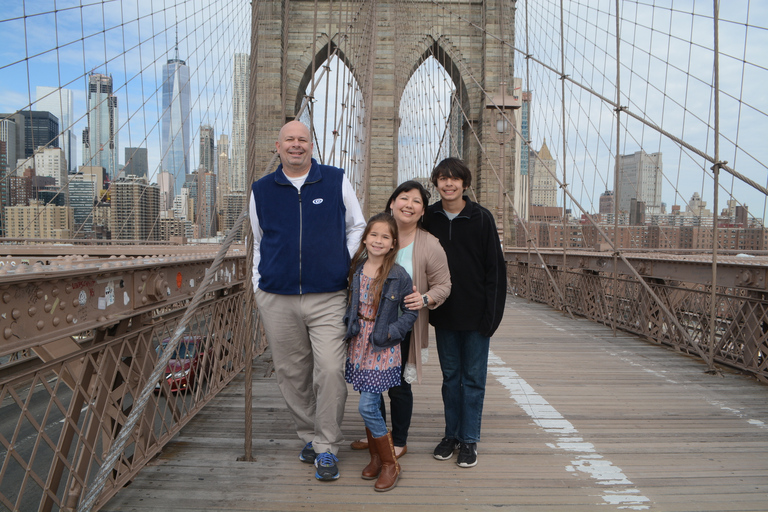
466, 321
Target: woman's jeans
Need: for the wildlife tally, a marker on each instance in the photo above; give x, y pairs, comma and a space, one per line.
464, 362
369, 410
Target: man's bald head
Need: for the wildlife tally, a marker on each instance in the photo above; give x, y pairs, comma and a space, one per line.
294, 145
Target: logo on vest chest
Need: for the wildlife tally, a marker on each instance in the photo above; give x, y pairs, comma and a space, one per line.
317, 201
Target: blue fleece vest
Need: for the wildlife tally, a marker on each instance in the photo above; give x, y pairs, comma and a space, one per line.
304, 243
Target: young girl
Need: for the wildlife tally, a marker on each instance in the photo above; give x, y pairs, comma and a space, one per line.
375, 329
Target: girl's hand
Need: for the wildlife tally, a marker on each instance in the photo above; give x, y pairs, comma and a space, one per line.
413, 301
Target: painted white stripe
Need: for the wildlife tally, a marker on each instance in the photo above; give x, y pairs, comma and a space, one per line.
587, 460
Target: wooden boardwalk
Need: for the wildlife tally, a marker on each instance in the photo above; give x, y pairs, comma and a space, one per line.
575, 420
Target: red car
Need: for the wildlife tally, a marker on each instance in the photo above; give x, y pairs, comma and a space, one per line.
185, 364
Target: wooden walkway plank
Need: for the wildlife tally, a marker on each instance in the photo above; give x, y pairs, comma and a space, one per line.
575, 419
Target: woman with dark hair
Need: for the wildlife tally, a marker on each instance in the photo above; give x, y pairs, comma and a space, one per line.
424, 259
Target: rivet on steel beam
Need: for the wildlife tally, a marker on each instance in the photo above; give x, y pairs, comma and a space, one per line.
40, 325
102, 318
70, 317
16, 314
47, 308
7, 332
55, 291
68, 288
56, 321
39, 294
6, 297
75, 302
32, 311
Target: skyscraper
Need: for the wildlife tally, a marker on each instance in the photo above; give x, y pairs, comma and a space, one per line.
136, 163
82, 193
167, 184
543, 184
100, 142
207, 152
135, 210
41, 128
525, 130
606, 202
175, 122
59, 102
205, 217
13, 136
238, 167
50, 162
640, 178
222, 174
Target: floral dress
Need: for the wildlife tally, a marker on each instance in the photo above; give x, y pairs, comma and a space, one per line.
366, 370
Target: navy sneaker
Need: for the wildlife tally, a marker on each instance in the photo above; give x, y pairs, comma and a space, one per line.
445, 449
308, 454
326, 466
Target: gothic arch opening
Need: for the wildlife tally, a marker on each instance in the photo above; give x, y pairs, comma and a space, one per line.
335, 113
432, 111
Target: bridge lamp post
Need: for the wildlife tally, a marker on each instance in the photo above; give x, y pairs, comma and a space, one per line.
503, 138
504, 105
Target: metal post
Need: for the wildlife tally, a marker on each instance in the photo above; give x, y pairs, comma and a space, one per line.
563, 157
616, 177
716, 172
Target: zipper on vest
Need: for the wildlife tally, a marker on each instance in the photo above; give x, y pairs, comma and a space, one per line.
301, 239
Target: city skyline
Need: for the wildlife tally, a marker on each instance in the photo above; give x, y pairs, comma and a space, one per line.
133, 56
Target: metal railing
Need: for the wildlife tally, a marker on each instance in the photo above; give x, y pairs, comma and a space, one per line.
80, 335
682, 283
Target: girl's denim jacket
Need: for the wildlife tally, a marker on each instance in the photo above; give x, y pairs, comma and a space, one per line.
389, 329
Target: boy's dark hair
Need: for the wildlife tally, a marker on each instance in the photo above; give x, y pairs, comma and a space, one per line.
452, 168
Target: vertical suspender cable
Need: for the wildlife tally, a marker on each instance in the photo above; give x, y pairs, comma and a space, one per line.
284, 60
615, 293
716, 171
249, 298
565, 181
529, 237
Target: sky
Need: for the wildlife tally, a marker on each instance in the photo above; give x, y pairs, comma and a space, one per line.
667, 68
666, 57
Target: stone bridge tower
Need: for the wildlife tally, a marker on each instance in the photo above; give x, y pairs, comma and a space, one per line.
291, 39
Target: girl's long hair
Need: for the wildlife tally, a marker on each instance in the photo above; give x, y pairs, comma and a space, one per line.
389, 259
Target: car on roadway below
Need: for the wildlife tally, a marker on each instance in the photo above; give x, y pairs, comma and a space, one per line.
186, 362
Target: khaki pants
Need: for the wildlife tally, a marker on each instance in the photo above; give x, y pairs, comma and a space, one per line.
306, 335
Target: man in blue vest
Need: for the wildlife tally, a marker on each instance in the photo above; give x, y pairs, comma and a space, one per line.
306, 223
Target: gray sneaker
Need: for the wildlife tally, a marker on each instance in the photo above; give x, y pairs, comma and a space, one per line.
308, 454
467, 455
445, 449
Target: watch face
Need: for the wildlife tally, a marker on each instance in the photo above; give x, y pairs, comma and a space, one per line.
425, 299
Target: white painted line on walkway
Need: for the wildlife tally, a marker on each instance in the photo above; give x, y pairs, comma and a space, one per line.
587, 459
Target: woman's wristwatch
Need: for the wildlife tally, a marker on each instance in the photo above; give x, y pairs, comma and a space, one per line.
425, 300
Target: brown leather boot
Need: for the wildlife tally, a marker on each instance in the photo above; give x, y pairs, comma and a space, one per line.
390, 468
373, 468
